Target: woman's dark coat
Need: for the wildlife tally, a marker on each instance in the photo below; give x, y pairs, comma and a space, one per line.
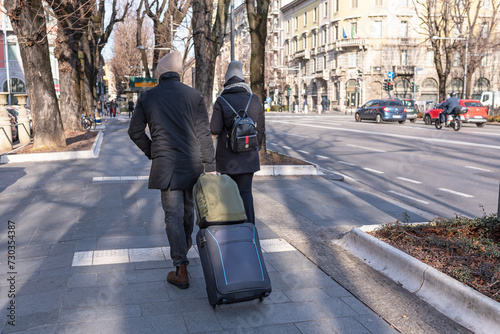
227, 161
180, 146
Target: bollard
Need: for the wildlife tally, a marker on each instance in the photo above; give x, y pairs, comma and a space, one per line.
23, 121
5, 126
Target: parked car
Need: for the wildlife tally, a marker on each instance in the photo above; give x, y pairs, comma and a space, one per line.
476, 113
411, 110
13, 124
391, 110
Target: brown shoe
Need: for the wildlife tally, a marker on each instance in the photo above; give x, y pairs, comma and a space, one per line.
179, 277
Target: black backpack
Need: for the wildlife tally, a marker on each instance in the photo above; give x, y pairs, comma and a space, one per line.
243, 135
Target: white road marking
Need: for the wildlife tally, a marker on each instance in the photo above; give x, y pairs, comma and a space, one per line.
436, 140
131, 255
482, 169
373, 170
322, 157
409, 197
367, 148
287, 147
300, 151
346, 163
274, 144
409, 180
456, 192
294, 135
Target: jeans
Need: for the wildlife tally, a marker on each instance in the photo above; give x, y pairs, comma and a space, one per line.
244, 182
179, 222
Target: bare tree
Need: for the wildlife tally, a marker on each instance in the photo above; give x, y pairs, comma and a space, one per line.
127, 59
257, 12
95, 38
208, 36
478, 24
28, 21
436, 20
71, 22
165, 21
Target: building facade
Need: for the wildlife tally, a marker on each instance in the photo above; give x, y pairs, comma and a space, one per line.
335, 54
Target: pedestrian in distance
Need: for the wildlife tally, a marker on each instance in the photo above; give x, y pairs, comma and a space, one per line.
112, 110
240, 166
181, 149
130, 108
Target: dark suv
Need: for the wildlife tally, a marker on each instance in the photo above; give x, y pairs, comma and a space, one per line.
411, 110
392, 110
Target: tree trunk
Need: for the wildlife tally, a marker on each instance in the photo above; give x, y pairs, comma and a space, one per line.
207, 42
28, 22
257, 21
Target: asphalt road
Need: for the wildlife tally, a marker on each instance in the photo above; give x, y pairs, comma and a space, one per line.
439, 171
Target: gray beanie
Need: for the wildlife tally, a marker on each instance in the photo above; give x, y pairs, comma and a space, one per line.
171, 62
235, 69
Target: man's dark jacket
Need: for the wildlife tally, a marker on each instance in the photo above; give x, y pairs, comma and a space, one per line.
230, 162
450, 104
180, 146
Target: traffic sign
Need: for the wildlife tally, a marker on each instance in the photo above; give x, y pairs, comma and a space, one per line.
390, 74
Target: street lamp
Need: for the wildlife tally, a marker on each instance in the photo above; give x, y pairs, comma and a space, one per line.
466, 39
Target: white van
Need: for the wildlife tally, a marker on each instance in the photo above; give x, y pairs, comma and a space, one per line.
488, 98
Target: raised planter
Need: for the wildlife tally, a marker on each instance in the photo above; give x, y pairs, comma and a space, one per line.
459, 302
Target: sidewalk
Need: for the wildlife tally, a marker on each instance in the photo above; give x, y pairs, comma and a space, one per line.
92, 255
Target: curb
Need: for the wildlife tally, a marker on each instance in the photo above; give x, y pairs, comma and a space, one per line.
275, 170
459, 302
70, 155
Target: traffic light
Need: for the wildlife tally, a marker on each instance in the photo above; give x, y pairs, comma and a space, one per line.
390, 85
416, 88
356, 90
105, 88
412, 86
386, 84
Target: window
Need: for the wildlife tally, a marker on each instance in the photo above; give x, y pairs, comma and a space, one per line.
304, 42
430, 58
404, 29
353, 59
314, 39
486, 4
404, 57
377, 29
296, 22
325, 9
484, 61
324, 62
324, 37
288, 26
336, 32
337, 5
305, 19
354, 30
354, 4
295, 45
13, 52
314, 64
379, 3
484, 30
315, 14
456, 59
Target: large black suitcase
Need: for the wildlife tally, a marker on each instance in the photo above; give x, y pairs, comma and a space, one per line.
232, 263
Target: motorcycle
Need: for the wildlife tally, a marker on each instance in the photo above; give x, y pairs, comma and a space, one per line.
454, 119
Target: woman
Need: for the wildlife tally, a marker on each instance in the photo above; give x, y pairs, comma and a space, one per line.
239, 166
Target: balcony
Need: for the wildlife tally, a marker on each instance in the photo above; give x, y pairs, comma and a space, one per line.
321, 74
350, 42
306, 54
404, 70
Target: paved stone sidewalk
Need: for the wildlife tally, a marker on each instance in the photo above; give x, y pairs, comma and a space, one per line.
92, 256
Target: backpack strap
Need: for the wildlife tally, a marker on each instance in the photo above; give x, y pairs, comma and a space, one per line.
230, 106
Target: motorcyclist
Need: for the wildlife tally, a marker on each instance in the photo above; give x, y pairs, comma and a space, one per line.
447, 107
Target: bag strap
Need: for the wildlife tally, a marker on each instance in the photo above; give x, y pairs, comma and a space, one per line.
230, 106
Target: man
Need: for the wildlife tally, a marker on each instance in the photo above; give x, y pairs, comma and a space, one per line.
447, 106
130, 108
181, 149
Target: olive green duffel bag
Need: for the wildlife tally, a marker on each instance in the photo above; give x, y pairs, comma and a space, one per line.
217, 201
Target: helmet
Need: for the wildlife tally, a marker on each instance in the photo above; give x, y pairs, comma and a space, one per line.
453, 94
